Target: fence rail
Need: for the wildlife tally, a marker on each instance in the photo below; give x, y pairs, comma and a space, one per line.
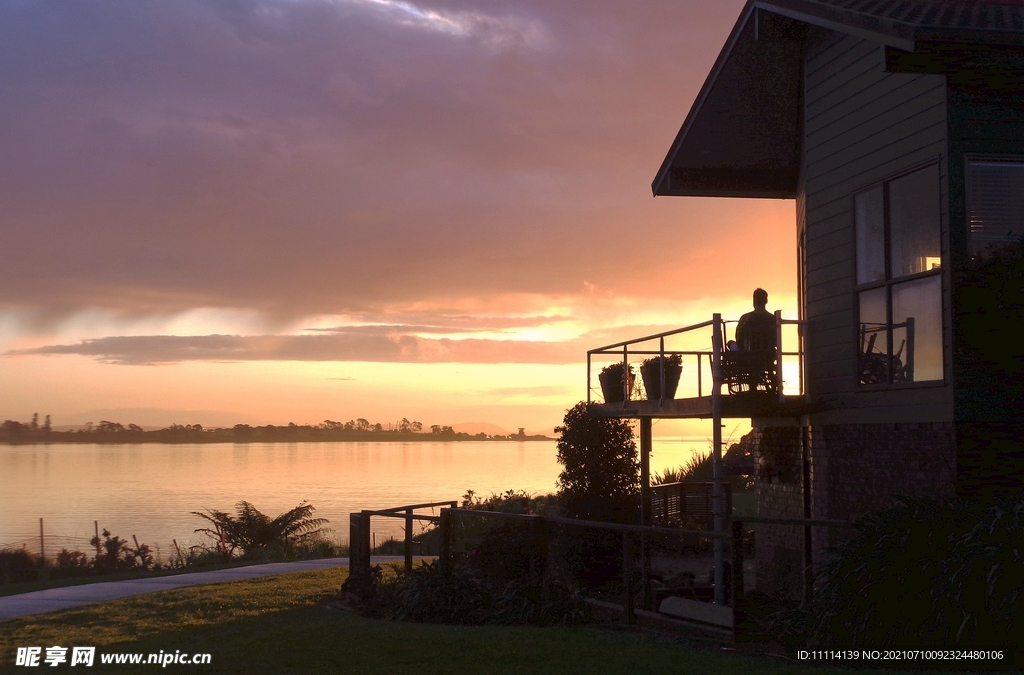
635, 542
359, 532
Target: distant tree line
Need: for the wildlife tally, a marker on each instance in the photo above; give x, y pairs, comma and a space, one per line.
329, 430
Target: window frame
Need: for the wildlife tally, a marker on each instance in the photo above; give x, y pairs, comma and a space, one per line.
888, 282
968, 157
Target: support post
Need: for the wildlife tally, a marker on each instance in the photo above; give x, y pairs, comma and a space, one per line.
646, 517
408, 540
42, 544
358, 542
627, 578
538, 550
446, 541
737, 561
716, 453
805, 447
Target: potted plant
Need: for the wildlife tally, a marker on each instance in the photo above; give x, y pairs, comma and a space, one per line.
650, 370
611, 382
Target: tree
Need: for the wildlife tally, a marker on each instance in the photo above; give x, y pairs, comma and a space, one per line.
600, 479
108, 427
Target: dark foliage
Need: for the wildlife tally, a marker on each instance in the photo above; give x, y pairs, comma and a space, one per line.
253, 532
73, 563
926, 573
600, 478
465, 595
118, 556
19, 566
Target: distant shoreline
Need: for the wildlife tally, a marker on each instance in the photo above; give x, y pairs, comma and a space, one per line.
253, 435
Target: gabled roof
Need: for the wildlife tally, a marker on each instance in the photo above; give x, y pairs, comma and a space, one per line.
741, 137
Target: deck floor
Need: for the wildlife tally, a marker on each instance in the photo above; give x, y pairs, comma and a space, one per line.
733, 406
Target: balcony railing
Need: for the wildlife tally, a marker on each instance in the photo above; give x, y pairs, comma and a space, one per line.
780, 374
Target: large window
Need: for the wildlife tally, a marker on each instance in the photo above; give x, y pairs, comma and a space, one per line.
995, 202
899, 280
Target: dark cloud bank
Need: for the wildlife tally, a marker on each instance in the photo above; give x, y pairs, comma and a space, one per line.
305, 157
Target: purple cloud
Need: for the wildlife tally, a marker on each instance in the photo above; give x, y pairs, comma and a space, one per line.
319, 157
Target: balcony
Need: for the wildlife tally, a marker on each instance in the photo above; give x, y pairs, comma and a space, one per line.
691, 372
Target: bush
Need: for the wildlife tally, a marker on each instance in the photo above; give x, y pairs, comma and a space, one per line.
465, 595
925, 573
118, 556
600, 478
73, 563
19, 566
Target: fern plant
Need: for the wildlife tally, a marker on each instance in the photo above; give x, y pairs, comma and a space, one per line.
252, 531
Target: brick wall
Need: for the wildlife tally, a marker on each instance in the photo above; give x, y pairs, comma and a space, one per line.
852, 469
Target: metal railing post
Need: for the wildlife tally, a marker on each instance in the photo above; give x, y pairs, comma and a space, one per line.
778, 354
719, 492
445, 559
737, 561
700, 385
589, 385
408, 539
661, 361
625, 373
627, 578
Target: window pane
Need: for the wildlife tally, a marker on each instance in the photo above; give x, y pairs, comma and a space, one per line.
874, 337
914, 222
917, 329
995, 203
868, 212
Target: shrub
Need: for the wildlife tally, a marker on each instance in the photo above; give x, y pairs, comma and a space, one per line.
254, 532
118, 556
19, 566
926, 572
72, 563
600, 478
465, 595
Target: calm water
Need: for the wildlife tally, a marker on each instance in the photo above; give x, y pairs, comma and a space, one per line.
149, 490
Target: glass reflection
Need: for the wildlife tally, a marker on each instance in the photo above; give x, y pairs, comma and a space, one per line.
869, 213
874, 337
914, 222
917, 327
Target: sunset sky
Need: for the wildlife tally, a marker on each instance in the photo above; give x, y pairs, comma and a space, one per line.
294, 210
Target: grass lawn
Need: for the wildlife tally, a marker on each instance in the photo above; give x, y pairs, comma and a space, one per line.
279, 625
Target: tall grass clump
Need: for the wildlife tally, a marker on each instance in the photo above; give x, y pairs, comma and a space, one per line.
928, 572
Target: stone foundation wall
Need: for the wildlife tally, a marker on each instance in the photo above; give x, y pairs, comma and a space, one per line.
779, 489
852, 469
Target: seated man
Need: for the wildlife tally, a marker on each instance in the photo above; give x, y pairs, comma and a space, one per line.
750, 363
756, 330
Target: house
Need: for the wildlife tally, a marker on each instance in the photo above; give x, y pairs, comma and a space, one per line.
898, 129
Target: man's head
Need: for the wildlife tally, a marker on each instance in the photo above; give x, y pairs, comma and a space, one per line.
760, 298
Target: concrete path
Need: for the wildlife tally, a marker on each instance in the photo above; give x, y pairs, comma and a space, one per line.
53, 599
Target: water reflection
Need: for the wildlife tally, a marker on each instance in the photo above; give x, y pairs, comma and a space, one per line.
150, 490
